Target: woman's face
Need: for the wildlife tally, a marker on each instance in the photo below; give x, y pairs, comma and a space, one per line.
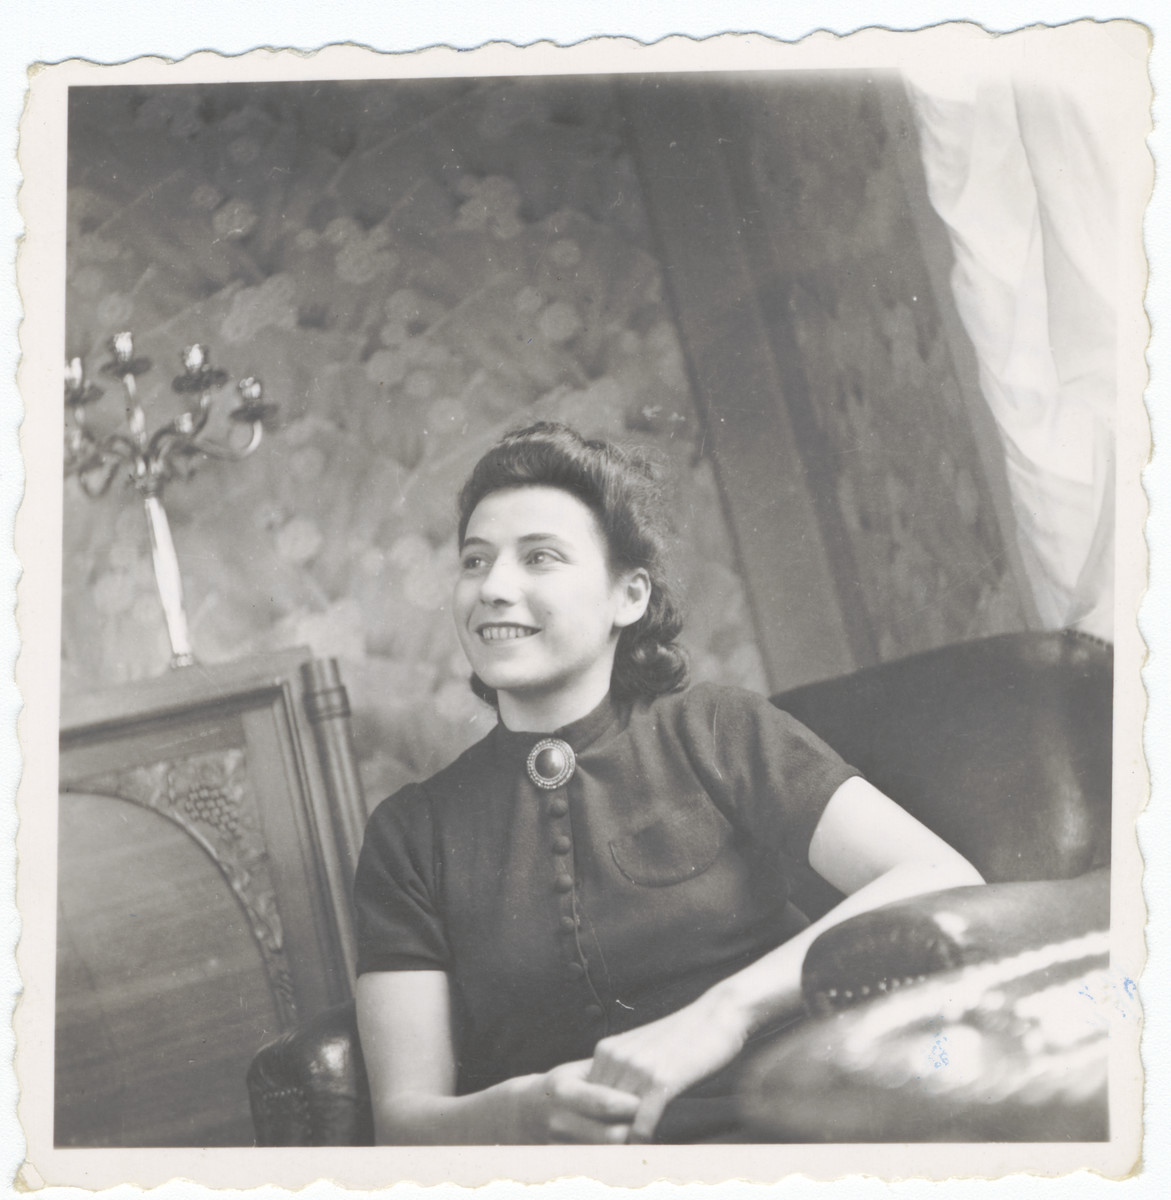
537, 608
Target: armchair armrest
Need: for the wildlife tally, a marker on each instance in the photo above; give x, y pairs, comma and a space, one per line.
901, 943
308, 1087
964, 1015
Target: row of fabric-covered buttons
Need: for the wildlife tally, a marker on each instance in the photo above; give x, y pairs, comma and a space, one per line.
558, 808
562, 846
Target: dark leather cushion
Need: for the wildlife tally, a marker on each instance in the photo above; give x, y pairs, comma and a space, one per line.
308, 1087
1008, 1049
898, 945
1002, 746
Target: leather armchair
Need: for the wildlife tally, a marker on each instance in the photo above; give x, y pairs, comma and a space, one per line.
1004, 747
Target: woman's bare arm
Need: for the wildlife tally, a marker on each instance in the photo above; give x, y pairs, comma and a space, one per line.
866, 846
404, 1020
875, 852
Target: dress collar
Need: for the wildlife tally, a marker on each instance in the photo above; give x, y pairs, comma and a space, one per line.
580, 734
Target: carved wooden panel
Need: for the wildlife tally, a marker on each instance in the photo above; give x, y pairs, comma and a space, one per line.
210, 798
161, 987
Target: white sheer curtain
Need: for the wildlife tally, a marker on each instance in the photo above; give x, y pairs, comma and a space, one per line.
1021, 175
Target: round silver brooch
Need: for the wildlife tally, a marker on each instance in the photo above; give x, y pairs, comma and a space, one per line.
551, 763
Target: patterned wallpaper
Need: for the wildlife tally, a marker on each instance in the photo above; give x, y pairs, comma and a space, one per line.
412, 270
885, 429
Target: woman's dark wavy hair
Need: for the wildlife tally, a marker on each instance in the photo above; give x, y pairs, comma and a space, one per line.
623, 489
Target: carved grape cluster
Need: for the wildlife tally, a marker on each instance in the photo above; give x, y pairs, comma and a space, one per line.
211, 804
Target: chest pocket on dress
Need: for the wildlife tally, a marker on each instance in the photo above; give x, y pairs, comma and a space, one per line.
675, 847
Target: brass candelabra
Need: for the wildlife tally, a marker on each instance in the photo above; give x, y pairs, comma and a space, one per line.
154, 459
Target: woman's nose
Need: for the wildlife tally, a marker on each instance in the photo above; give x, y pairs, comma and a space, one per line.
500, 583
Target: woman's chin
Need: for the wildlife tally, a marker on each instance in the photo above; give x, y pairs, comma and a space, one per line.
523, 687
504, 684
498, 677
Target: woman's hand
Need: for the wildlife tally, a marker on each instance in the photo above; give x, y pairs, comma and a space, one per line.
404, 1019
564, 1106
659, 1061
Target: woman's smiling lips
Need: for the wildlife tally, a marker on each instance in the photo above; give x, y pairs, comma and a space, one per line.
505, 632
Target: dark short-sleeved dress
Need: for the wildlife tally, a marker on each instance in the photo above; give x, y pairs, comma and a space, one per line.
563, 916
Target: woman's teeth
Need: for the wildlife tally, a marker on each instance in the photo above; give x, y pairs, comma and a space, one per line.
500, 633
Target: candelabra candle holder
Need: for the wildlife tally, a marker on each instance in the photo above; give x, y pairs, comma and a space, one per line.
154, 459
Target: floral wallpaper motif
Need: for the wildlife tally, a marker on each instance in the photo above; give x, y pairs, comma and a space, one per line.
412, 269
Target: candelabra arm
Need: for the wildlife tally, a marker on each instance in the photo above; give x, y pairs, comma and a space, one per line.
223, 450
169, 581
120, 445
95, 463
81, 454
175, 433
87, 472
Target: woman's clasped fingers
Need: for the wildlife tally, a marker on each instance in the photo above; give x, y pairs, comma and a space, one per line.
634, 1064
646, 1120
662, 1059
571, 1127
581, 1110
653, 1084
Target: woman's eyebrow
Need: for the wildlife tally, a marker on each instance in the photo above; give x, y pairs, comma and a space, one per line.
524, 540
541, 537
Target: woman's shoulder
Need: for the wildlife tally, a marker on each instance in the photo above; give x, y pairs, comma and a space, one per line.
414, 801
707, 702
718, 719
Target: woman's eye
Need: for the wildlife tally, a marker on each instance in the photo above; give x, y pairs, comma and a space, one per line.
542, 558
472, 562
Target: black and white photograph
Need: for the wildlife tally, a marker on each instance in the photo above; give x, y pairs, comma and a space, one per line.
597, 609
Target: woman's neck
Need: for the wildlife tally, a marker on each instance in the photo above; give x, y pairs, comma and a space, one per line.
542, 714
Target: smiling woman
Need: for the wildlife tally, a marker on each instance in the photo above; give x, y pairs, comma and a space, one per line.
572, 932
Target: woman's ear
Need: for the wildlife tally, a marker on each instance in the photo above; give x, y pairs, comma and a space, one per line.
634, 596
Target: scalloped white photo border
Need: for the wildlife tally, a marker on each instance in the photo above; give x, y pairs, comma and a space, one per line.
38, 544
